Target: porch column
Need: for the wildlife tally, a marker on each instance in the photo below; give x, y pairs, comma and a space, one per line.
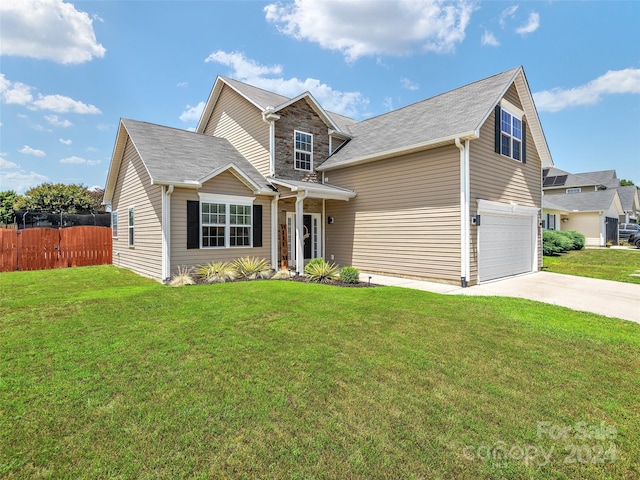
275, 246
300, 232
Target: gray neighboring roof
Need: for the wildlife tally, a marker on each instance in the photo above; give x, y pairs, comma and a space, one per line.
172, 155
607, 178
628, 195
458, 111
580, 202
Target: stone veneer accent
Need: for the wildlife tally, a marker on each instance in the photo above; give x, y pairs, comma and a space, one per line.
299, 116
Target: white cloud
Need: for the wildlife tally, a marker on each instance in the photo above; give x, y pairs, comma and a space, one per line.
58, 122
47, 29
79, 161
408, 84
192, 114
533, 23
103, 127
27, 150
489, 39
388, 28
614, 81
15, 92
20, 180
507, 13
7, 165
65, 142
62, 104
249, 71
182, 84
20, 94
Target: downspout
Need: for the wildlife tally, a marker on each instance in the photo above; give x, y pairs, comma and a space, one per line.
300, 233
465, 237
270, 117
166, 232
274, 232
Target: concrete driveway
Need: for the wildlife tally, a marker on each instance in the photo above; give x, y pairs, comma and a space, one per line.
612, 299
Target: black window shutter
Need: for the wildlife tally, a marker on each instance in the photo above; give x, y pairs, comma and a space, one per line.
498, 128
193, 224
524, 142
257, 225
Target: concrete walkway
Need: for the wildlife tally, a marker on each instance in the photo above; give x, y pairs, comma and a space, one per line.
605, 297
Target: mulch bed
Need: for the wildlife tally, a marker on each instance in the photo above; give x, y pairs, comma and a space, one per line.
298, 278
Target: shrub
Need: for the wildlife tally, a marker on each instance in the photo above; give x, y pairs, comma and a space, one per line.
350, 275
314, 261
183, 277
577, 239
321, 271
216, 272
555, 242
252, 268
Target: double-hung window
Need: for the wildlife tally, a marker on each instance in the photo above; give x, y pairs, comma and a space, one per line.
114, 224
225, 221
303, 150
510, 135
131, 227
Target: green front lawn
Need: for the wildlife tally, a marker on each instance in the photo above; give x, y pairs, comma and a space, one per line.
605, 263
104, 374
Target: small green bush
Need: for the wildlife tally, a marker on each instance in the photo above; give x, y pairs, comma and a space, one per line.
252, 268
314, 261
321, 271
577, 238
555, 242
350, 275
216, 272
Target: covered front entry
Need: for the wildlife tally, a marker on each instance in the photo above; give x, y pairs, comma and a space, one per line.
507, 240
312, 237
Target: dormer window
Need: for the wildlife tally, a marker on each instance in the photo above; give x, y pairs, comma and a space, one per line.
303, 148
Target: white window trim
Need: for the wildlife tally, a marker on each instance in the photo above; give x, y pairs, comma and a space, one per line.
295, 150
226, 200
515, 112
574, 190
131, 227
114, 234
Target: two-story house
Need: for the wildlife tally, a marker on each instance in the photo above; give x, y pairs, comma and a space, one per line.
447, 189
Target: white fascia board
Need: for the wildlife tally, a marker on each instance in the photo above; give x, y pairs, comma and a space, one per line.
399, 151
178, 184
510, 208
331, 193
116, 161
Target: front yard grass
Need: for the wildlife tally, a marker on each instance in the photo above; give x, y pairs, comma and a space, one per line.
104, 374
605, 263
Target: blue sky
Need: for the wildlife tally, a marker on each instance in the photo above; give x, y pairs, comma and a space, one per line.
70, 70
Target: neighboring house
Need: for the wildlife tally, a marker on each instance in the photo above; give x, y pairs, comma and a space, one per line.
447, 189
594, 214
592, 203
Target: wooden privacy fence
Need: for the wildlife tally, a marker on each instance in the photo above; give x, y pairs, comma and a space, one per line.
46, 248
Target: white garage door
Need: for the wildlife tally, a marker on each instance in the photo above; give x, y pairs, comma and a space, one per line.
505, 245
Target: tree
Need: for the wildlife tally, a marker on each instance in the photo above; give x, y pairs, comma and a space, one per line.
97, 195
624, 182
56, 198
7, 201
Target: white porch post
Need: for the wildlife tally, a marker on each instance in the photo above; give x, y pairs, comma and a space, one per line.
274, 234
300, 232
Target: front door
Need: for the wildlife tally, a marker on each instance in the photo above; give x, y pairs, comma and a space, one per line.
311, 234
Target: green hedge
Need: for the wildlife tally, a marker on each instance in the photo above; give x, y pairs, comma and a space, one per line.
556, 242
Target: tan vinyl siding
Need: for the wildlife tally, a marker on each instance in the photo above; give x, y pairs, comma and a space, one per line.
512, 96
224, 184
240, 122
336, 143
134, 189
563, 190
405, 220
589, 224
501, 179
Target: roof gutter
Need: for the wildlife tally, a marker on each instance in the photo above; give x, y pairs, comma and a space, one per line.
465, 237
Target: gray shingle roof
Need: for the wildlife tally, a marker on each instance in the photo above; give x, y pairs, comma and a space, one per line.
627, 196
172, 155
455, 112
603, 177
263, 99
580, 202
